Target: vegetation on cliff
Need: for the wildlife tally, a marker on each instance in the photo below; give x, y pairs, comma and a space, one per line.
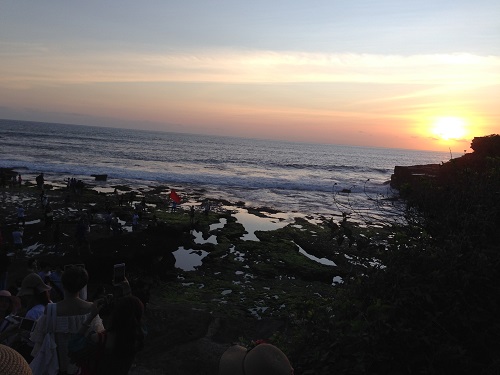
434, 308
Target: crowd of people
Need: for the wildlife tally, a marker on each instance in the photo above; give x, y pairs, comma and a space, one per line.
110, 325
51, 303
50, 312
108, 331
50, 214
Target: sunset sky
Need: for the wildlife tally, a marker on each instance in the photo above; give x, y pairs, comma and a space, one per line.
387, 73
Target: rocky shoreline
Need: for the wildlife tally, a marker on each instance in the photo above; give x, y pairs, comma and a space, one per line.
241, 291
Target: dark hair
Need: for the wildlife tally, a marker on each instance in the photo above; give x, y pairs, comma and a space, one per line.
126, 323
43, 264
42, 298
74, 278
10, 308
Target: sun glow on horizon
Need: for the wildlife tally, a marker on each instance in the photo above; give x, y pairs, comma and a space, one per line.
449, 128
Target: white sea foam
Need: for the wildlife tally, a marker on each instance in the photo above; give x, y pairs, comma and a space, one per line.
303, 178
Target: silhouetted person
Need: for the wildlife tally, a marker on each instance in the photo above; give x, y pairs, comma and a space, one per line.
40, 180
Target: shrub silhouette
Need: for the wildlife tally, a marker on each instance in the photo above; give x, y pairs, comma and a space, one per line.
433, 309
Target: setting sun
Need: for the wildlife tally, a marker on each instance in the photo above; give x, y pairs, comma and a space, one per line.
448, 128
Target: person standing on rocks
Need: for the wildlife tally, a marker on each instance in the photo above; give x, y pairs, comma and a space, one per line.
206, 207
191, 216
17, 238
135, 221
21, 215
40, 180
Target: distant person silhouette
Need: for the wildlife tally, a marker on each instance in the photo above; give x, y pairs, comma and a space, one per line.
40, 180
21, 215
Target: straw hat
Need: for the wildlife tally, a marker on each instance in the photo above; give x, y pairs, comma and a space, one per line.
30, 283
12, 363
263, 359
16, 303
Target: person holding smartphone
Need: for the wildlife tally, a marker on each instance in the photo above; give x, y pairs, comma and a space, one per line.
122, 339
121, 286
115, 347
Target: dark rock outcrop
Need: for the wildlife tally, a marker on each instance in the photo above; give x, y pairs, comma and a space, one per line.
487, 146
100, 177
484, 147
413, 174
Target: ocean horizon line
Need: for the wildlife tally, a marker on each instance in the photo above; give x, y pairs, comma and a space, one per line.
285, 175
223, 136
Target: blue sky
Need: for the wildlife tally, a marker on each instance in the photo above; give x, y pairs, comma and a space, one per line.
377, 73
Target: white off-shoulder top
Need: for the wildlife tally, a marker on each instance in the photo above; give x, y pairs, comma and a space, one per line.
65, 327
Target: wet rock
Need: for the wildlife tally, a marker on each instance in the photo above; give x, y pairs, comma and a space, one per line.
413, 174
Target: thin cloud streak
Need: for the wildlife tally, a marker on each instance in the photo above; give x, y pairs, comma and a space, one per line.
42, 65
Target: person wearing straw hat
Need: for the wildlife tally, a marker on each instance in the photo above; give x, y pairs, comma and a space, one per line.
12, 363
34, 294
262, 359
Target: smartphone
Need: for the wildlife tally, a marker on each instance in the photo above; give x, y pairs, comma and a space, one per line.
118, 273
27, 325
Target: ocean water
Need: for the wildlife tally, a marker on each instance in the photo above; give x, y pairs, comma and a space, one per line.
301, 178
